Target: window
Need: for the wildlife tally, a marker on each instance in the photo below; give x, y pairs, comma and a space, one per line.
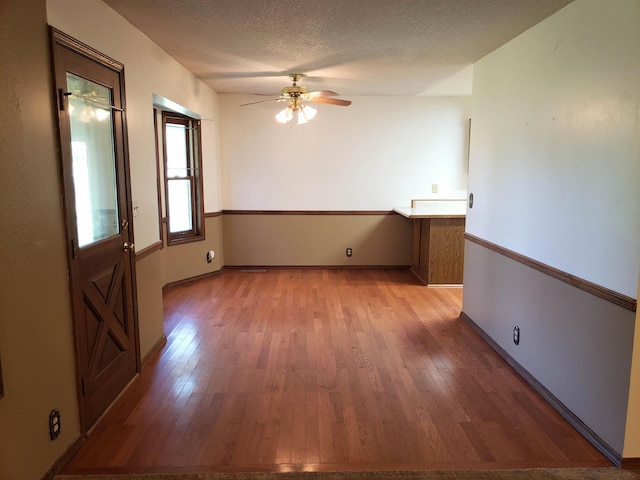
182, 178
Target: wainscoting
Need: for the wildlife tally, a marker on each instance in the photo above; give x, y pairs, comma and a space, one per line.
576, 343
315, 238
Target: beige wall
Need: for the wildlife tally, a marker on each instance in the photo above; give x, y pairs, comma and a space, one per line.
36, 342
168, 265
180, 262
316, 240
149, 300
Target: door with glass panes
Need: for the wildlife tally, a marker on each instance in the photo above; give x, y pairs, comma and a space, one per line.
90, 100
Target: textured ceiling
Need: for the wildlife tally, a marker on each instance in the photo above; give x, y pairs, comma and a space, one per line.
354, 47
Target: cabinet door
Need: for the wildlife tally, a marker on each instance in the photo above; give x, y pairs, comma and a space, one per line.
446, 251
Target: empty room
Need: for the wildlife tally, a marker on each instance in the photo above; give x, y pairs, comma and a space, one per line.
381, 239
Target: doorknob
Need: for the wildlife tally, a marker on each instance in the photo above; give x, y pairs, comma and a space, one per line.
127, 246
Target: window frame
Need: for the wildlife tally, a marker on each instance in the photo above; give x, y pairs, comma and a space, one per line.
194, 164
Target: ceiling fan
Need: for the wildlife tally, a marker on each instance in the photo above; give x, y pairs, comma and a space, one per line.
295, 95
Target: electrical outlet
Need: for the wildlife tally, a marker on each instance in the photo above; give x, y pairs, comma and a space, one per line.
349, 251
516, 335
54, 424
434, 188
210, 255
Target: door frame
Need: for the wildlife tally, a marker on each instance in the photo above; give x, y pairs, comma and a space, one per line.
61, 39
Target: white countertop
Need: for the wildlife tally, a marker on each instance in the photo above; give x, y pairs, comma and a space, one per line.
435, 209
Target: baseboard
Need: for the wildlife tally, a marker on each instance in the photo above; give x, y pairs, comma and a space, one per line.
308, 212
254, 268
604, 448
193, 279
431, 285
155, 349
60, 463
630, 463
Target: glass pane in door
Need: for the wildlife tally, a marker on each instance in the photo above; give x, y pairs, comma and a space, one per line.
94, 160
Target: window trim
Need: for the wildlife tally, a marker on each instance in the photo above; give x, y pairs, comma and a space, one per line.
159, 175
194, 149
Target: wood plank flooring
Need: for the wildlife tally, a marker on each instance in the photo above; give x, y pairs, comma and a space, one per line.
316, 369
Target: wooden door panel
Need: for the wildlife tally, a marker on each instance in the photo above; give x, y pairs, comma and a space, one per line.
108, 323
107, 309
90, 94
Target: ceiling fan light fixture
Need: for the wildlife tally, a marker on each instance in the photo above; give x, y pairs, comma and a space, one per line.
285, 115
305, 114
294, 95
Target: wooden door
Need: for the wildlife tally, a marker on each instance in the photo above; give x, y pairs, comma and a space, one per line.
89, 89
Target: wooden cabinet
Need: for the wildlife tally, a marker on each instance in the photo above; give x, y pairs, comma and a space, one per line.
438, 250
438, 239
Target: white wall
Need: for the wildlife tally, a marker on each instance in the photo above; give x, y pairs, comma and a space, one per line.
148, 71
555, 149
555, 173
376, 154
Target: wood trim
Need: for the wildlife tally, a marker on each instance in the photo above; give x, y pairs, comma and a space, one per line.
631, 463
159, 179
613, 456
157, 347
145, 252
308, 212
91, 53
257, 268
62, 461
213, 214
1, 383
193, 149
193, 279
592, 288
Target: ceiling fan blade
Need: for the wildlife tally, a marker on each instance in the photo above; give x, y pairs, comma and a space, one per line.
260, 101
332, 101
321, 93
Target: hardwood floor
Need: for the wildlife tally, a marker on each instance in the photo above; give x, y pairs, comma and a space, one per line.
310, 369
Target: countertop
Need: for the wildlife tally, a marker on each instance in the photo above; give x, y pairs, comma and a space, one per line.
435, 209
